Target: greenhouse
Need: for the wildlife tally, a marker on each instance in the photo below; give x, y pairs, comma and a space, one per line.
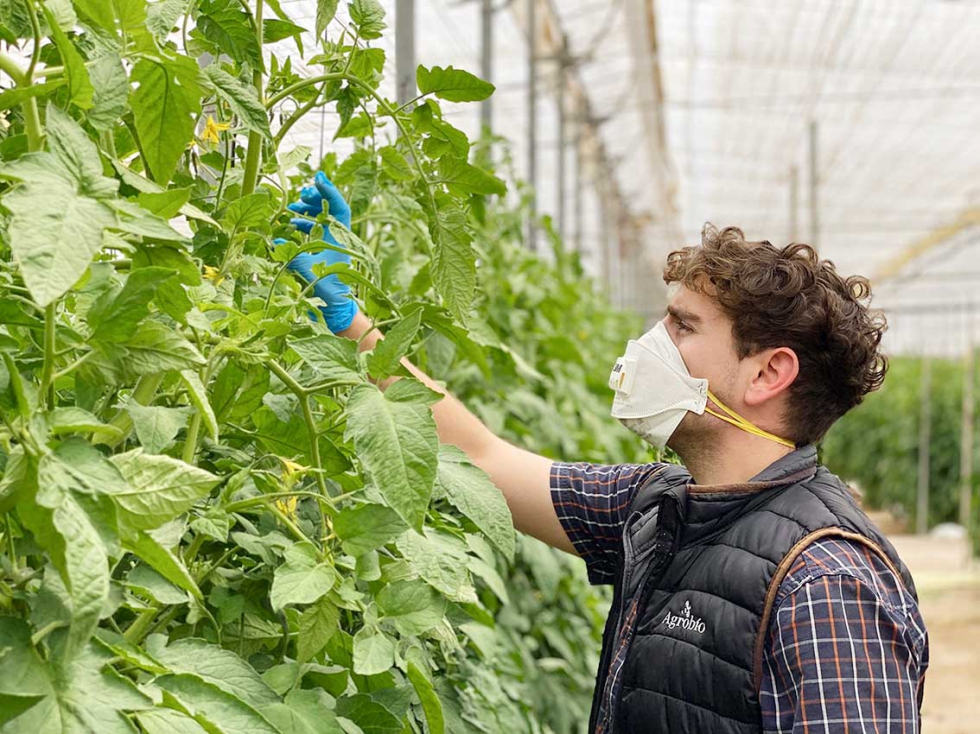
489, 366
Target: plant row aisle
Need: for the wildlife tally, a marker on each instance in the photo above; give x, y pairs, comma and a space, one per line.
213, 521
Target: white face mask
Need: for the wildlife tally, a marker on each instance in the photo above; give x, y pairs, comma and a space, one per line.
654, 390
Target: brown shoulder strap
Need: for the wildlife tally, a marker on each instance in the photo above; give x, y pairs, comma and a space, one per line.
783, 569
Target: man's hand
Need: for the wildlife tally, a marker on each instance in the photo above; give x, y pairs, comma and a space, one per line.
340, 308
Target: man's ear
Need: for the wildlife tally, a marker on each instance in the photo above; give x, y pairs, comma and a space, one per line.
777, 369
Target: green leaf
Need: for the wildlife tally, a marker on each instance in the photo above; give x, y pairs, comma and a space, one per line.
397, 443
331, 357
325, 11
228, 27
76, 549
166, 204
76, 466
217, 666
78, 155
470, 490
396, 165
10, 98
452, 85
302, 579
135, 220
131, 14
53, 234
165, 107
463, 178
163, 561
76, 420
247, 211
371, 716
79, 85
168, 721
156, 426
441, 563
160, 488
374, 652
213, 707
69, 695
155, 349
387, 355
143, 184
151, 584
317, 624
110, 92
453, 261
368, 16
304, 712
117, 319
413, 606
242, 99
198, 395
366, 527
162, 16
418, 676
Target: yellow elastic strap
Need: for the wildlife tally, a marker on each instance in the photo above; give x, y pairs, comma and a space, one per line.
740, 422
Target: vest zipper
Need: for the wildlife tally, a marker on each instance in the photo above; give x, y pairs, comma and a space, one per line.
663, 548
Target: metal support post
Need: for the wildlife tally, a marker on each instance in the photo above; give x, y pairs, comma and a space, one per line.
405, 50
486, 63
560, 99
532, 119
814, 186
925, 435
794, 204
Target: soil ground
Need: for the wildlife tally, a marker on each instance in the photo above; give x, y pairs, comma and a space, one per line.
949, 594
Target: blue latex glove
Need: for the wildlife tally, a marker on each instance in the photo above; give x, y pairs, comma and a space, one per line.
340, 309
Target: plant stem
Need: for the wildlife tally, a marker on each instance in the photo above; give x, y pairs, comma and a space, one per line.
144, 392
273, 496
285, 520
47, 370
304, 402
254, 155
141, 625
190, 443
45, 631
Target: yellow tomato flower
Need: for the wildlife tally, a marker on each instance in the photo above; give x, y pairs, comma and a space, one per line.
287, 505
211, 130
211, 274
291, 467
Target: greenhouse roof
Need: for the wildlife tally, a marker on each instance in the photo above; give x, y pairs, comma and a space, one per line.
713, 111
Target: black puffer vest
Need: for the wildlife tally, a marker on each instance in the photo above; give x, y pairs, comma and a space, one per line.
705, 564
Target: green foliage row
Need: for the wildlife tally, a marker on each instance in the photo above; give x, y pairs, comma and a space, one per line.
877, 443
213, 521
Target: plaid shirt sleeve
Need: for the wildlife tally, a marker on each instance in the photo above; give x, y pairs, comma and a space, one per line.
847, 648
591, 501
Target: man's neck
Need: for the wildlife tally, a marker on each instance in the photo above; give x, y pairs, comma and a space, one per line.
732, 459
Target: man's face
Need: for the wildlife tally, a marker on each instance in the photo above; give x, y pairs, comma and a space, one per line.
703, 336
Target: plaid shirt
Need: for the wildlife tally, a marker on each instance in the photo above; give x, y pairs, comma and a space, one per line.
846, 649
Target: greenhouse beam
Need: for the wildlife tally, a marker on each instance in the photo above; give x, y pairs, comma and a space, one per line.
486, 62
532, 119
405, 50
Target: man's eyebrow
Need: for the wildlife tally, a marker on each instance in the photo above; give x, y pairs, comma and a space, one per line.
682, 315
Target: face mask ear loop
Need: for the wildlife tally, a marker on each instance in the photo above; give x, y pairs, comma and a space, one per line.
740, 422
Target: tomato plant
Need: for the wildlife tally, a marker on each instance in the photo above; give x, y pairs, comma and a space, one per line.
212, 519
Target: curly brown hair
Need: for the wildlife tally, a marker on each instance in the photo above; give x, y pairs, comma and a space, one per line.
789, 297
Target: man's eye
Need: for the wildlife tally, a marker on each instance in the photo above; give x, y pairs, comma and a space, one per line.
682, 326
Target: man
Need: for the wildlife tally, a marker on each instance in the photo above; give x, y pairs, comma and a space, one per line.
750, 592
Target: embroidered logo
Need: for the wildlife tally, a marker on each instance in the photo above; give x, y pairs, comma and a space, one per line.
684, 620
